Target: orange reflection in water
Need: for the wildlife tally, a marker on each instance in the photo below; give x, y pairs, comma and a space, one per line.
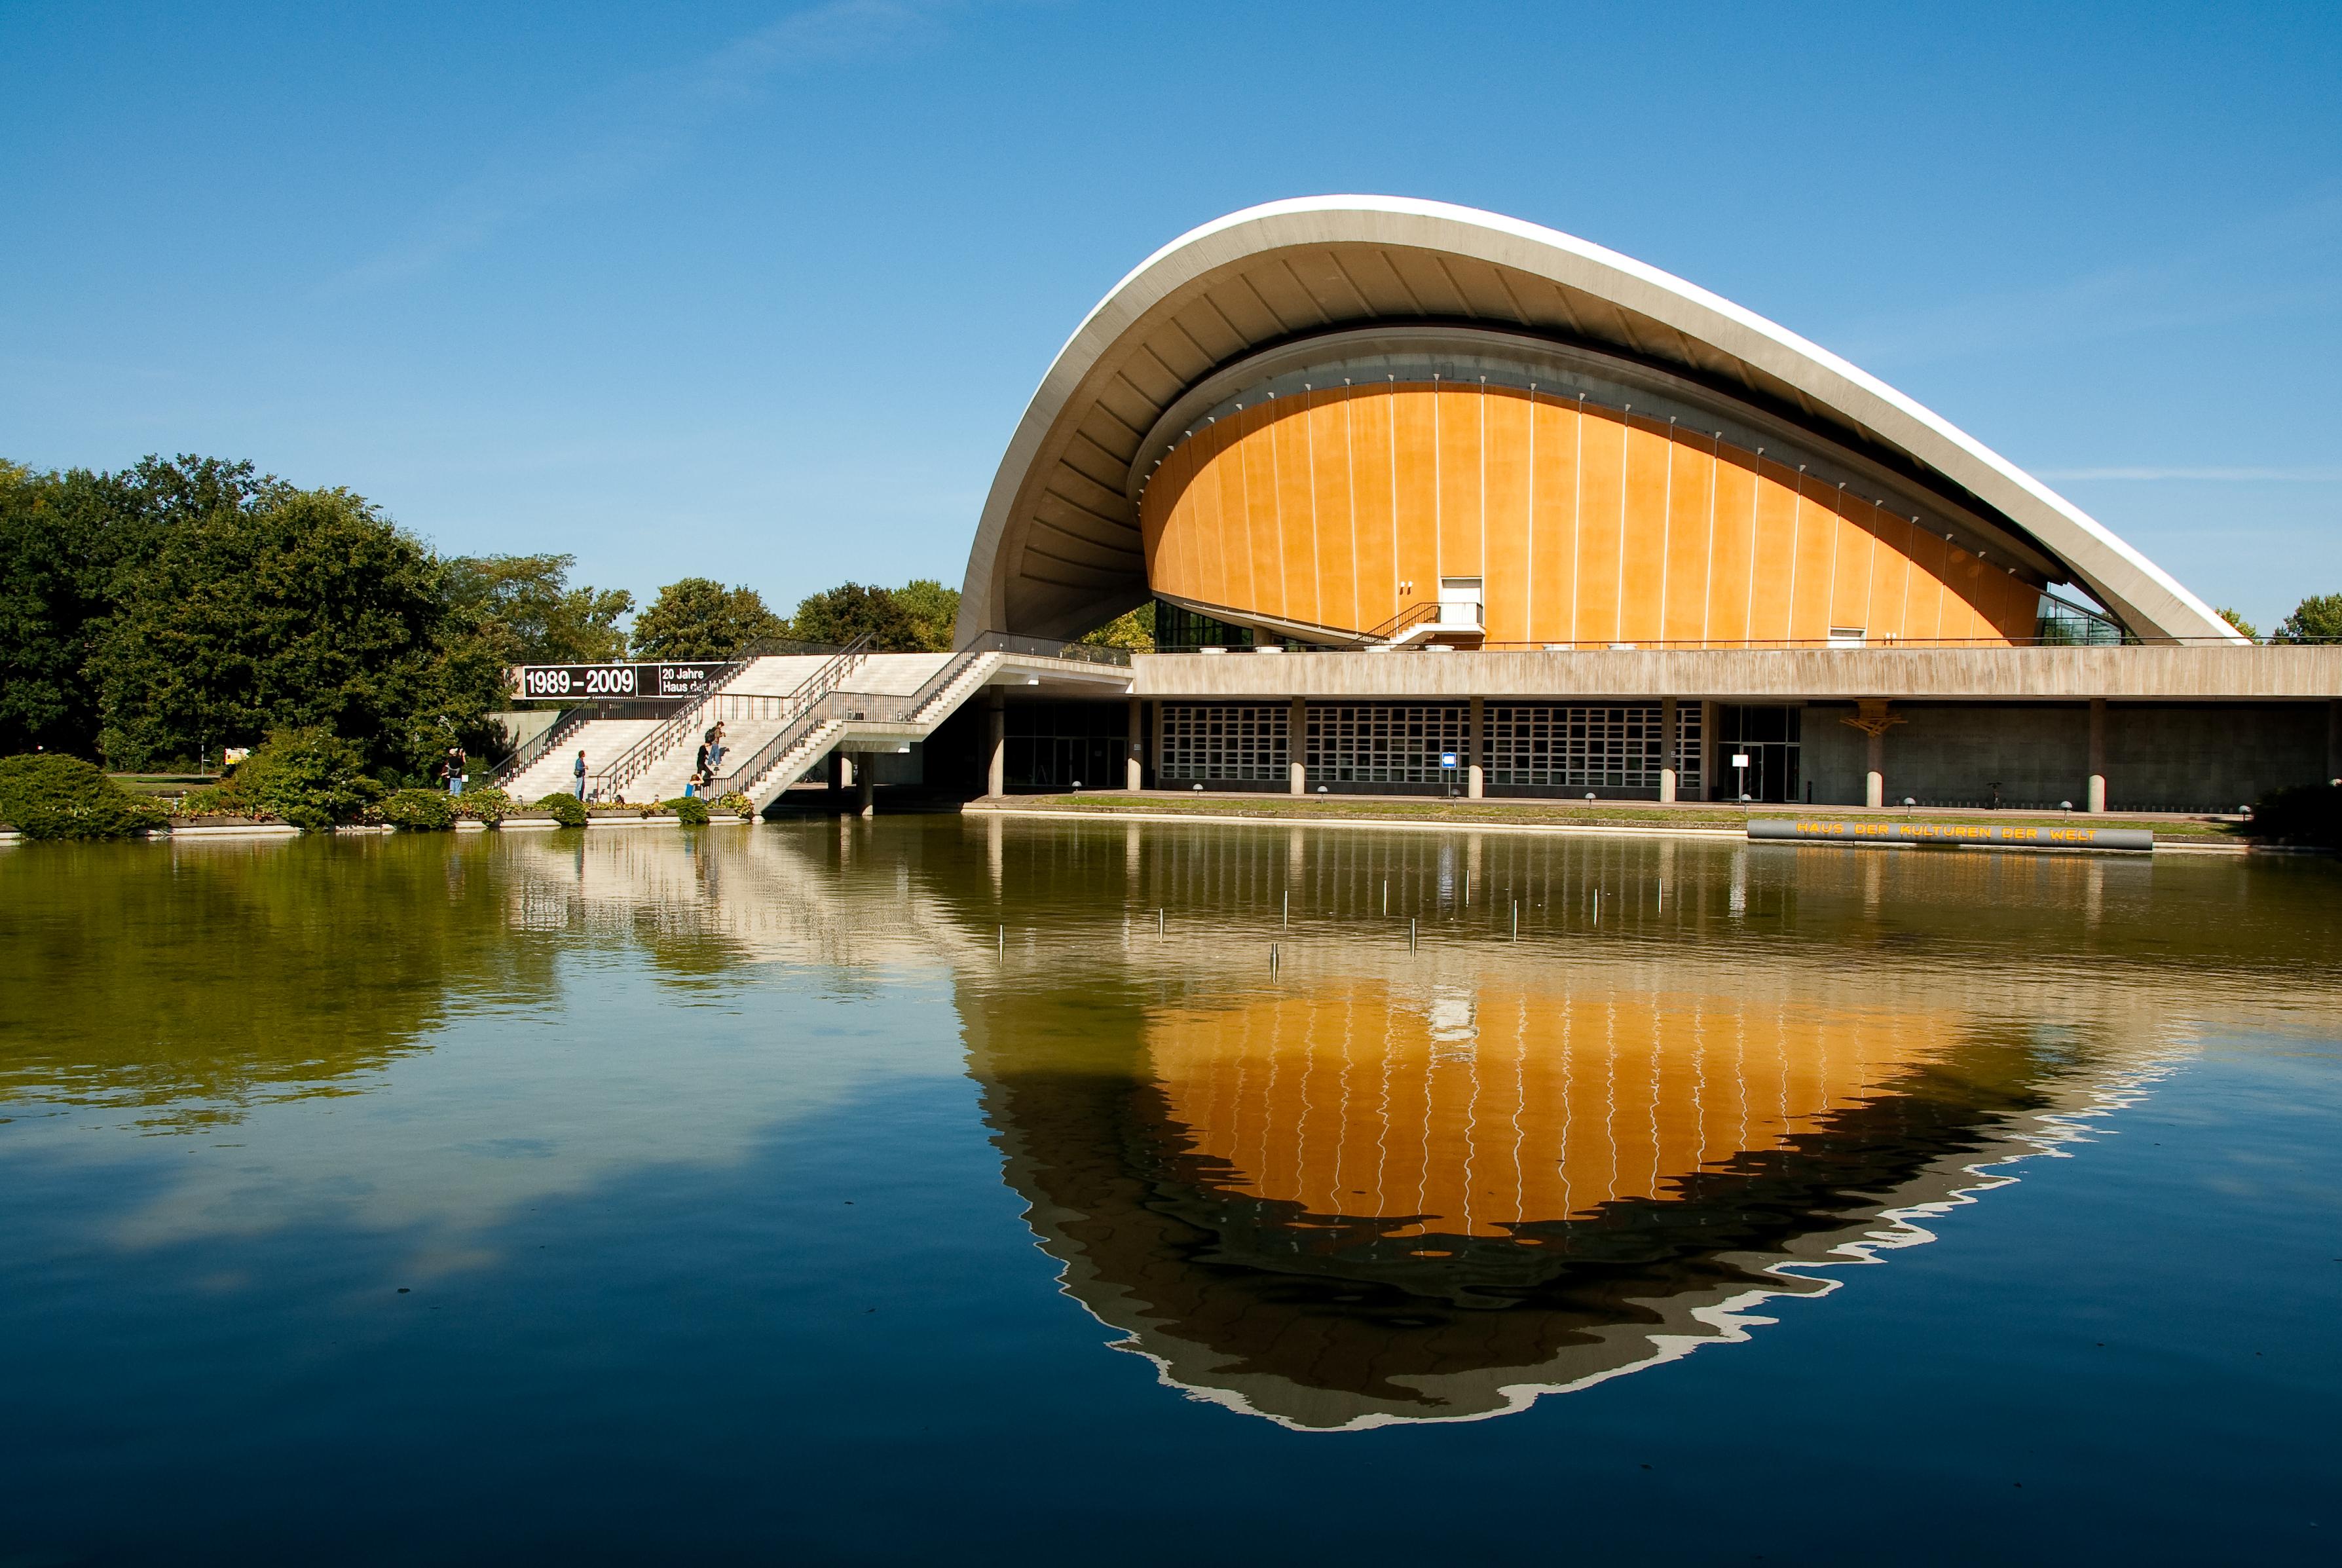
1472, 1110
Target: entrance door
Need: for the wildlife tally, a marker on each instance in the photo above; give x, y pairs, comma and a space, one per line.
1769, 736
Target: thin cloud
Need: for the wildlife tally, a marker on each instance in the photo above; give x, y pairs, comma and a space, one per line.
2211, 475
640, 127
2286, 261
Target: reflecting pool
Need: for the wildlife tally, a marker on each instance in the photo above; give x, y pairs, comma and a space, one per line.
968, 1187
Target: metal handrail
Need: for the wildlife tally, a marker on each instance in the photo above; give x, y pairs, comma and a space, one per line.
527, 755
1873, 645
883, 707
843, 704
640, 757
1415, 614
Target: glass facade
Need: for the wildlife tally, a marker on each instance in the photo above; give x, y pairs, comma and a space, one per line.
1770, 737
1056, 745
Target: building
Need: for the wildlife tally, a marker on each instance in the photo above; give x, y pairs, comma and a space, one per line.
1408, 483
1490, 492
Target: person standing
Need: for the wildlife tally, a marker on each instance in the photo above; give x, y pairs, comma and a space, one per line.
579, 769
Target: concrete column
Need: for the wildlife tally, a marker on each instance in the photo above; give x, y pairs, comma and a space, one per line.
1133, 767
1474, 777
866, 781
2097, 794
1874, 781
838, 776
1667, 732
1296, 746
1710, 765
996, 742
2334, 740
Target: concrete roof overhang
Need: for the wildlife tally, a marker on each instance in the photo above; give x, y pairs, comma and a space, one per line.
1057, 546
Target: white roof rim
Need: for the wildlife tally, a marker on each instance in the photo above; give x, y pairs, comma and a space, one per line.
2154, 603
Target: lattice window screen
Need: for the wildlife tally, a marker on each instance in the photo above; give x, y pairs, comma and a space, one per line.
1613, 745
1225, 740
1384, 742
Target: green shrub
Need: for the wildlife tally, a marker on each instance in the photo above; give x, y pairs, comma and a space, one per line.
737, 803
45, 796
311, 778
689, 810
2305, 814
419, 810
487, 804
565, 809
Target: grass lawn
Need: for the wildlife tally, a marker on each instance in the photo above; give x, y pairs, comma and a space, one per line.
1719, 817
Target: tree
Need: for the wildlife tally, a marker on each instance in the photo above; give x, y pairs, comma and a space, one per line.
934, 610
2316, 619
67, 542
698, 618
1135, 631
291, 609
850, 610
524, 608
2236, 619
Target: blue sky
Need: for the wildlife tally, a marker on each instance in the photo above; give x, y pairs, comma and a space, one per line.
758, 291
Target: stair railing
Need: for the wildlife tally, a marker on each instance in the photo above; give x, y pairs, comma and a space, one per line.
644, 754
877, 707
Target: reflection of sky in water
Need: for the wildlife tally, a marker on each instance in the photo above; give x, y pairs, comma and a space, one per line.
691, 1155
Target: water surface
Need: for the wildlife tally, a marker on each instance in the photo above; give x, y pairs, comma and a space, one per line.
850, 1192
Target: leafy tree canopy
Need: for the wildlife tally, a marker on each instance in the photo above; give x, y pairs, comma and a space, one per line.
851, 610
2235, 618
2316, 619
524, 607
699, 618
933, 609
68, 542
299, 608
1135, 631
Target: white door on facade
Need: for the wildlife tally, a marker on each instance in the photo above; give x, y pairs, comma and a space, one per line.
1460, 602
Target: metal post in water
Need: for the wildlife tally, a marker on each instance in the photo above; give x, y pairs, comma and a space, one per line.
1387, 896
1410, 933
1516, 920
1272, 958
1000, 942
1288, 906
1158, 922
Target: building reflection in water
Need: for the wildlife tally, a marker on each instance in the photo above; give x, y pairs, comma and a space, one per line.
1391, 1186
1395, 1186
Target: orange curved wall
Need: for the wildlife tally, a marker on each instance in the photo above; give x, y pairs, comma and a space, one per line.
1520, 1106
1586, 525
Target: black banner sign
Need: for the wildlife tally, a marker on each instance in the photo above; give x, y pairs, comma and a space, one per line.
1947, 835
614, 683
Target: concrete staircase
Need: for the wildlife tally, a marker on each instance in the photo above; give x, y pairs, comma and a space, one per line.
599, 739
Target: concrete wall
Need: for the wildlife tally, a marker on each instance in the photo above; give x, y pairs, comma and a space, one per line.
2158, 757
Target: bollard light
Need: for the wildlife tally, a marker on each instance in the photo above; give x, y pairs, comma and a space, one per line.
1590, 794
2065, 805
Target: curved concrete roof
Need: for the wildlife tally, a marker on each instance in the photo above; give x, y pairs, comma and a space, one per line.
1058, 547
